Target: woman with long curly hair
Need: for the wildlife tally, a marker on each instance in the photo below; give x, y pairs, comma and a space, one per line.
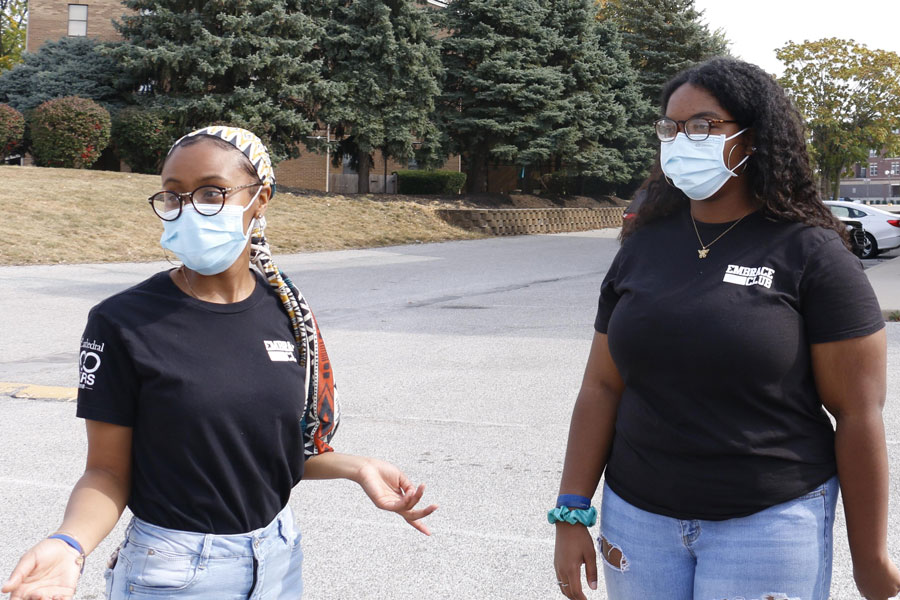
732, 318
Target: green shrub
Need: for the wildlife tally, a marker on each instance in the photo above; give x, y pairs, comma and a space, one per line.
430, 182
563, 183
142, 138
69, 132
12, 129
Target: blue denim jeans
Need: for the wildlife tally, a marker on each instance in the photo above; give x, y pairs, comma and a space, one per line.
784, 551
155, 562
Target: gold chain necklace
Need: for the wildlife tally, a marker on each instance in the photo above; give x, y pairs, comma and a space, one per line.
704, 248
188, 282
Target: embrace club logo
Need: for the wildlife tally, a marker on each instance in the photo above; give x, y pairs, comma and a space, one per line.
88, 363
749, 275
280, 350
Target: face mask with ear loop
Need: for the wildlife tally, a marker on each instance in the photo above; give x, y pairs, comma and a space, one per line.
697, 168
208, 244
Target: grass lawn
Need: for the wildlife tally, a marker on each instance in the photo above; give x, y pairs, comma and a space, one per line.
79, 216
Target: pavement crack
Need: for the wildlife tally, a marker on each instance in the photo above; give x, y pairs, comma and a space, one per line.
501, 289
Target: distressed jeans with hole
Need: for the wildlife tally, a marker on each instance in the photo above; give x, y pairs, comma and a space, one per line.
155, 562
783, 551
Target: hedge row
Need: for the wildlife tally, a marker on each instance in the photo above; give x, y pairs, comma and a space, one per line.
142, 138
69, 132
72, 132
12, 130
430, 182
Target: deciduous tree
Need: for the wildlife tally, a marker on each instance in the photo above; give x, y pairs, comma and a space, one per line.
13, 18
850, 98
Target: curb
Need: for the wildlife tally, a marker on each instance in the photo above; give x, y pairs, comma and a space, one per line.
23, 391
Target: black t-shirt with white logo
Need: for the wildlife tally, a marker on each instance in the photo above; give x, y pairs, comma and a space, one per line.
214, 395
720, 417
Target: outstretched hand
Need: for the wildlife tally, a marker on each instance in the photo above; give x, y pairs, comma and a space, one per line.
49, 571
389, 489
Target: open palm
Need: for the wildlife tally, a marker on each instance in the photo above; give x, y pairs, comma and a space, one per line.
48, 571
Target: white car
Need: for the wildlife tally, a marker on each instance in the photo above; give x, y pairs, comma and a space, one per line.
882, 227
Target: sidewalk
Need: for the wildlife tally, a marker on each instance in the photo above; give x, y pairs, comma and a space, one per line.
885, 280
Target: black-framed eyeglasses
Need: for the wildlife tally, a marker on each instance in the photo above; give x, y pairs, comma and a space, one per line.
695, 128
207, 200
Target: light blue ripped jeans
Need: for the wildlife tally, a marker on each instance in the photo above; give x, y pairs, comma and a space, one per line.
783, 551
155, 562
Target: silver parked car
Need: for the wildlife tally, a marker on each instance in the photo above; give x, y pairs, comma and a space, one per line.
882, 227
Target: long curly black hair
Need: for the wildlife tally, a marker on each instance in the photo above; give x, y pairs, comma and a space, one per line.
779, 173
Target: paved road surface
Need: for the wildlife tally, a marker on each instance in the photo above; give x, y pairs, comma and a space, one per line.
458, 361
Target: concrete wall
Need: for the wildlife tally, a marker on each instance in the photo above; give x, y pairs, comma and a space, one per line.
519, 221
871, 192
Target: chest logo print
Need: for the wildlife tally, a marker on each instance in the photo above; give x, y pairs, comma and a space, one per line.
748, 276
280, 350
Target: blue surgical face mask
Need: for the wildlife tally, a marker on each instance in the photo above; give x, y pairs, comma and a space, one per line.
207, 245
697, 168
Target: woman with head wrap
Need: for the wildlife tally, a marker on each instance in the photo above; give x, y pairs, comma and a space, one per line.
208, 395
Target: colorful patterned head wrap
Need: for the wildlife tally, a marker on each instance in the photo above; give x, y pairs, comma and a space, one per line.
246, 142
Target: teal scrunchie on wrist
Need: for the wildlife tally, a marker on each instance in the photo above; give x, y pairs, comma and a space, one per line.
588, 518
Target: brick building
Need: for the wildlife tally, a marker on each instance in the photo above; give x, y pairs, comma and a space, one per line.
54, 19
876, 181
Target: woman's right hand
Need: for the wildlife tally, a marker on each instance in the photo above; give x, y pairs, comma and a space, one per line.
574, 547
49, 571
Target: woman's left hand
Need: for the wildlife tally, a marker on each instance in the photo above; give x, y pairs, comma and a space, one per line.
389, 489
877, 579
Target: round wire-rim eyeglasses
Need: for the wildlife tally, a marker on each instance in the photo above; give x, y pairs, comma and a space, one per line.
696, 128
209, 201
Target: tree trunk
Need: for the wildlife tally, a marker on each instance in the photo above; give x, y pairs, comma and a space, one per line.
476, 177
363, 173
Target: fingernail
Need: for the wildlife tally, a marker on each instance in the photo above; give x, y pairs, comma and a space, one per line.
593, 584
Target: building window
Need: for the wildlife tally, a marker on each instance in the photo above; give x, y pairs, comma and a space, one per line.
78, 19
873, 170
873, 153
347, 165
895, 168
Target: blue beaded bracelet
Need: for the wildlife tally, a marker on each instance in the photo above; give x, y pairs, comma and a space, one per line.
68, 539
588, 518
573, 501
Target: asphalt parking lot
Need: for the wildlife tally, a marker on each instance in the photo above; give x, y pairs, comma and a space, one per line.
458, 361
890, 254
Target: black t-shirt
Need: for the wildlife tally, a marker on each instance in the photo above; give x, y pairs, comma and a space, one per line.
214, 395
720, 417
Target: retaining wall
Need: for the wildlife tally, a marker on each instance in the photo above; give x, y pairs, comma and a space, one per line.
519, 221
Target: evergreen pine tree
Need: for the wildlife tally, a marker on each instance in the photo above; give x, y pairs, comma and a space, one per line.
662, 37
385, 57
239, 62
599, 123
498, 89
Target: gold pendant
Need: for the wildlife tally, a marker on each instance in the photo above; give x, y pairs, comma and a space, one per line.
703, 252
